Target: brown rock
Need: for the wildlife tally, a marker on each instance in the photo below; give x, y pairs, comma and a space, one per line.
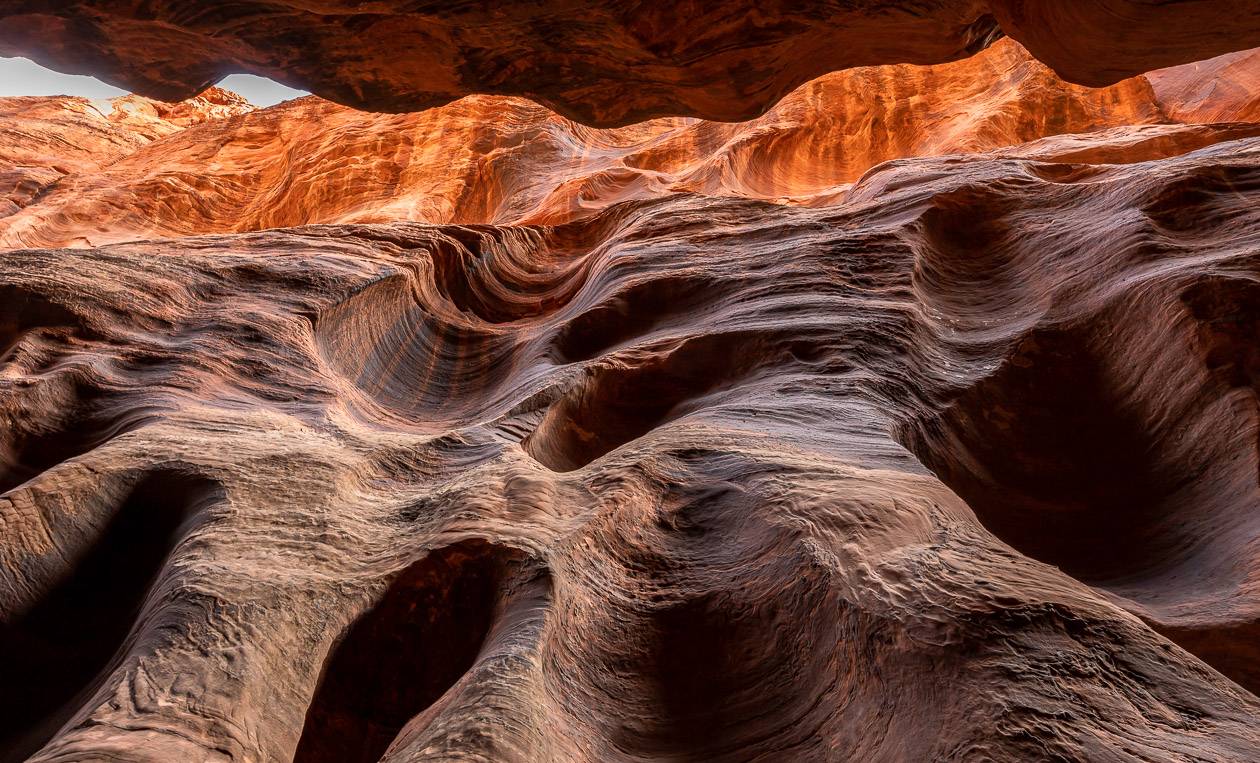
914, 420
936, 472
600, 63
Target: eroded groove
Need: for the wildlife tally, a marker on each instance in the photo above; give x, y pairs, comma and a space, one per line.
80, 422
408, 360
736, 647
714, 669
84, 424
632, 313
1047, 456
23, 311
1204, 201
504, 275
54, 656
1136, 475
404, 653
627, 397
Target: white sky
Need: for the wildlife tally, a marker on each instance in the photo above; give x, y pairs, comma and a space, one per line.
20, 76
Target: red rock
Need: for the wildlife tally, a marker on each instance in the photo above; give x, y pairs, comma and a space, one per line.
778, 474
914, 420
1224, 89
601, 63
46, 141
500, 160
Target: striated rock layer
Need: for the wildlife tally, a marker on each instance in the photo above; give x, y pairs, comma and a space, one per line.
500, 160
45, 140
914, 420
961, 467
601, 63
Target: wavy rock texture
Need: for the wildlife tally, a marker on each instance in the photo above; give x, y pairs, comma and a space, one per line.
961, 467
1224, 89
507, 161
47, 139
601, 63
914, 420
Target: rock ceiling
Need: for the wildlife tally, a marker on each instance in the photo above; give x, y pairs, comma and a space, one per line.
914, 418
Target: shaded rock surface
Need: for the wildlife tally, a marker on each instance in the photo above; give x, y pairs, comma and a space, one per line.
601, 63
961, 466
920, 429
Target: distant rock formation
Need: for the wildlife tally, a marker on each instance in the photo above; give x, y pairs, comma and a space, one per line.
488, 159
44, 141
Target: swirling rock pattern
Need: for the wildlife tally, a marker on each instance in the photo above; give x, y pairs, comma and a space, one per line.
46, 140
914, 420
961, 466
506, 161
602, 63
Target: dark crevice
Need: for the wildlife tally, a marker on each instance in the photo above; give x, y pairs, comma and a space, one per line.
55, 655
23, 311
1059, 454
630, 314
1203, 201
80, 421
621, 401
82, 425
1046, 454
404, 653
718, 686
982, 33
705, 664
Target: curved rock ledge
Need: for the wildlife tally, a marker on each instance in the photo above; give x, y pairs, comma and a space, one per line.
506, 161
810, 499
600, 63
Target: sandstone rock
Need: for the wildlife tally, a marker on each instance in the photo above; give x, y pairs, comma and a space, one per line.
1224, 89
44, 141
913, 420
487, 159
956, 468
601, 63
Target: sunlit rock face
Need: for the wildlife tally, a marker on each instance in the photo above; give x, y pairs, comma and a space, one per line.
507, 161
915, 419
1223, 89
44, 141
603, 63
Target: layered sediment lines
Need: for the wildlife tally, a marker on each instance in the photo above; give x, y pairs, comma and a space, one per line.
962, 466
915, 419
1223, 89
46, 140
500, 160
601, 63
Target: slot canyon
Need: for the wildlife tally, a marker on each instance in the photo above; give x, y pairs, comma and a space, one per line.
632, 381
